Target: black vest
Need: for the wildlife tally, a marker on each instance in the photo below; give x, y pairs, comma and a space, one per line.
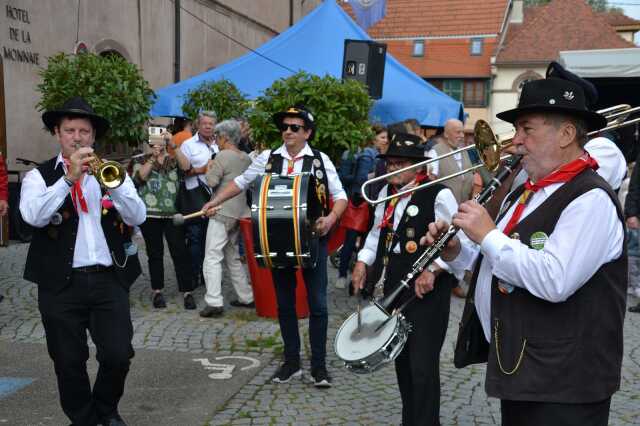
309, 164
409, 231
50, 258
573, 350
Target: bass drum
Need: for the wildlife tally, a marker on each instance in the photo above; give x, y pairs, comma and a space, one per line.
283, 214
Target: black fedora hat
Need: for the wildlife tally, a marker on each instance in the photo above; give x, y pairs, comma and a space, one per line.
299, 111
405, 145
76, 107
554, 95
555, 70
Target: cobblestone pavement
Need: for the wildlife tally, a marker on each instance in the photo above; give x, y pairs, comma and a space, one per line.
353, 400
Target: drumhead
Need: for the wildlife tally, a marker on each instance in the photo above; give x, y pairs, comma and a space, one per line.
351, 345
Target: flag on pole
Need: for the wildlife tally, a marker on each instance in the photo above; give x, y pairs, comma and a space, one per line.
368, 12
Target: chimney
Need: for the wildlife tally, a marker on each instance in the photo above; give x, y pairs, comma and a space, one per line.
517, 13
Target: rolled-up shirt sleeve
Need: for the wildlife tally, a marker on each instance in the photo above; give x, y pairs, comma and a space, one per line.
255, 168
128, 203
38, 203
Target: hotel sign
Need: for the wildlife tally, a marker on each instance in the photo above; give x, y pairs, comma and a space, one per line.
18, 29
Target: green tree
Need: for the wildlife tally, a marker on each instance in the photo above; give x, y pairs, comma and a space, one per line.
114, 88
597, 5
340, 108
221, 96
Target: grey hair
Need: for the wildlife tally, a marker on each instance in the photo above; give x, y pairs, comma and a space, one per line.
210, 114
580, 125
230, 129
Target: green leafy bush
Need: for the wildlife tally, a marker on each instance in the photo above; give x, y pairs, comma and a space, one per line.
114, 88
341, 109
221, 96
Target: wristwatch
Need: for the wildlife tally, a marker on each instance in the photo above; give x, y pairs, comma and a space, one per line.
67, 181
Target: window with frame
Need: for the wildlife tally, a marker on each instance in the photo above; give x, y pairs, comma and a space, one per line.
475, 93
453, 88
476, 46
418, 48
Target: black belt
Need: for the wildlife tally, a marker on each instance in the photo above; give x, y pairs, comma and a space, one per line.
92, 269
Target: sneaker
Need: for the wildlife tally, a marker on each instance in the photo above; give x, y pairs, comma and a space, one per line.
158, 301
211, 311
239, 304
286, 372
189, 303
321, 378
635, 309
341, 282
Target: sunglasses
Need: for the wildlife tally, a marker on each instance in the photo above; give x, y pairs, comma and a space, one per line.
294, 127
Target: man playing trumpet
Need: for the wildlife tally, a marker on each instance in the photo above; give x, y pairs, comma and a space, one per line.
391, 248
82, 259
551, 273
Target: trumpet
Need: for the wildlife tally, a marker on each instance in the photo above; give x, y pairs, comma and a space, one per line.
490, 149
109, 174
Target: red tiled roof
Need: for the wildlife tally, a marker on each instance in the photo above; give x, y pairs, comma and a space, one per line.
617, 19
560, 25
411, 18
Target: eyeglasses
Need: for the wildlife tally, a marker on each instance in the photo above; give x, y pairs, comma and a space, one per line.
294, 127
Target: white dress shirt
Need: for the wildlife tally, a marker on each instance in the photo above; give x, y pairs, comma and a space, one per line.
198, 152
445, 206
259, 163
588, 234
38, 203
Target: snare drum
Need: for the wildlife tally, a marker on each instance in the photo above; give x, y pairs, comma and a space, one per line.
367, 350
283, 213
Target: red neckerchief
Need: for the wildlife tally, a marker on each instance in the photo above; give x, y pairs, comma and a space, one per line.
291, 163
391, 207
76, 192
563, 174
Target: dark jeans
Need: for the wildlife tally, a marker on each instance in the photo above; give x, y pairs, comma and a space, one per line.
98, 303
152, 230
196, 233
316, 282
346, 252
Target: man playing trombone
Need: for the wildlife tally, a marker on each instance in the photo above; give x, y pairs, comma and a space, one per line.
391, 248
551, 273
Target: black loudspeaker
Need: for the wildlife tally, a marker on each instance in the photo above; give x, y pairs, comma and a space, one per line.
364, 61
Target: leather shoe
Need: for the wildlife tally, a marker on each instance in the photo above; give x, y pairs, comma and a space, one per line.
189, 303
239, 304
211, 311
458, 291
113, 421
158, 301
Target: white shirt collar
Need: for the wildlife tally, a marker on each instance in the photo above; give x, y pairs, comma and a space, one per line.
285, 154
60, 160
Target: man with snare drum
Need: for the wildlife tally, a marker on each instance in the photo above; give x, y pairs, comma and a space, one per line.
391, 247
297, 125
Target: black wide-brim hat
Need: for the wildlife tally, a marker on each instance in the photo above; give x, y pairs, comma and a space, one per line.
556, 96
405, 145
298, 112
76, 107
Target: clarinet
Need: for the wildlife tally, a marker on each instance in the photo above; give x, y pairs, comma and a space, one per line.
434, 250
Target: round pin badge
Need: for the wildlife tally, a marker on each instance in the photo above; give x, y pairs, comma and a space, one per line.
319, 174
538, 240
316, 163
267, 168
411, 247
56, 219
412, 210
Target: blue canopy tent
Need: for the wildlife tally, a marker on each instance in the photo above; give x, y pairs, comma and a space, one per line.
315, 45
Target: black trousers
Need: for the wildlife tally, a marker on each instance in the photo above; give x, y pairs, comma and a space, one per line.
152, 230
98, 303
528, 413
418, 365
